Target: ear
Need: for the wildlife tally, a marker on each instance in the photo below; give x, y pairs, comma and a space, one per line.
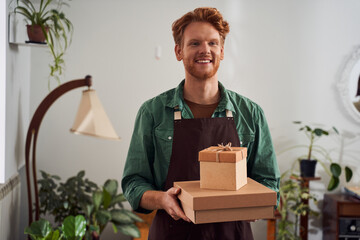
222, 52
178, 52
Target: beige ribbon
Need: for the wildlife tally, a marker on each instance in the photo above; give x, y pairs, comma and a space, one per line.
227, 147
222, 147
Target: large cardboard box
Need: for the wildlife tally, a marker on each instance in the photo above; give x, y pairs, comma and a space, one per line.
225, 170
253, 201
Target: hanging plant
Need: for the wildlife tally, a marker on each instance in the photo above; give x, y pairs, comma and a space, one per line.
56, 29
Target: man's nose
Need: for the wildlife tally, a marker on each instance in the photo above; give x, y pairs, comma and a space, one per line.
204, 48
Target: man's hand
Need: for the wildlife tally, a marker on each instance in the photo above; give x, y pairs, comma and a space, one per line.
164, 200
171, 205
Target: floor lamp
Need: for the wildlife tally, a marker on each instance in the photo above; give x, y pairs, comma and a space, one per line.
91, 119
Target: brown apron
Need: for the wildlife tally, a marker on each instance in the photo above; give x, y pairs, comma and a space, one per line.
190, 137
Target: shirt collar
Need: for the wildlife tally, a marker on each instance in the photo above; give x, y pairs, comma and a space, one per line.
178, 100
225, 102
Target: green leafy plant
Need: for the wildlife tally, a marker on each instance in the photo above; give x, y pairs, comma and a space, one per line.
334, 170
64, 199
81, 196
291, 207
107, 207
73, 228
56, 27
313, 134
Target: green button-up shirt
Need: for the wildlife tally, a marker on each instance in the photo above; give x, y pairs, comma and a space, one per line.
150, 149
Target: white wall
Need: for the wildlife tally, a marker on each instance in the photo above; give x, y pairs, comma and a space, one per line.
285, 55
17, 104
17, 96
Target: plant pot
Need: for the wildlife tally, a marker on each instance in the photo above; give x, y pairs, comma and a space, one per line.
307, 167
95, 236
35, 33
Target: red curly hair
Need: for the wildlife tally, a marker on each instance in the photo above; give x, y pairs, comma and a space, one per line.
210, 15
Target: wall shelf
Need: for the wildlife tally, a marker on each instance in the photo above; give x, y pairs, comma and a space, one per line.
29, 44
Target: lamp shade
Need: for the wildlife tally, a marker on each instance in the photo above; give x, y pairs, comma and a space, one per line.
91, 118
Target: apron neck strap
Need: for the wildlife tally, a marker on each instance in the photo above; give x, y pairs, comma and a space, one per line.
177, 113
229, 113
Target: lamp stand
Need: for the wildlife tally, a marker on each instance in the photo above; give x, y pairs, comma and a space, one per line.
32, 134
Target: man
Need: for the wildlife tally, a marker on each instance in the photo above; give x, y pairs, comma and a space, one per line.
173, 127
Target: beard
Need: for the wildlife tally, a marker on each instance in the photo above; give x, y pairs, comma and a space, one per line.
201, 74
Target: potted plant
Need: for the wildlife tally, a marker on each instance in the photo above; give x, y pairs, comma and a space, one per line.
308, 164
291, 208
310, 160
73, 228
48, 23
77, 195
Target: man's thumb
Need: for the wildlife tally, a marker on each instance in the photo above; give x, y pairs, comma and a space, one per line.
175, 191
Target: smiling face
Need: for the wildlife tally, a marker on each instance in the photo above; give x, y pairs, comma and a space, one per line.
201, 51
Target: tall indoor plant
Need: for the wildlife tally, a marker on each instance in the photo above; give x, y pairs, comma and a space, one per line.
51, 22
335, 170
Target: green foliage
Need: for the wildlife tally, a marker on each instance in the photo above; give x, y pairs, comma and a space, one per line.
60, 29
64, 199
41, 228
292, 207
313, 134
81, 196
348, 174
73, 228
107, 207
128, 229
334, 171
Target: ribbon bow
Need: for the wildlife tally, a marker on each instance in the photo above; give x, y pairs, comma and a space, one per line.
226, 147
221, 148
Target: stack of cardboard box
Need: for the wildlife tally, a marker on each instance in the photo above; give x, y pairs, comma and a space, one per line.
224, 193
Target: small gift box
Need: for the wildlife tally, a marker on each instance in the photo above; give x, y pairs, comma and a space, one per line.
223, 167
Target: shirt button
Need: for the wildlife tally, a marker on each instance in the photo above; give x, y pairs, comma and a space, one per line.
169, 137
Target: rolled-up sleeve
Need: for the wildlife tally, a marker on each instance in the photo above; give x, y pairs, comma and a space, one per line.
138, 171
